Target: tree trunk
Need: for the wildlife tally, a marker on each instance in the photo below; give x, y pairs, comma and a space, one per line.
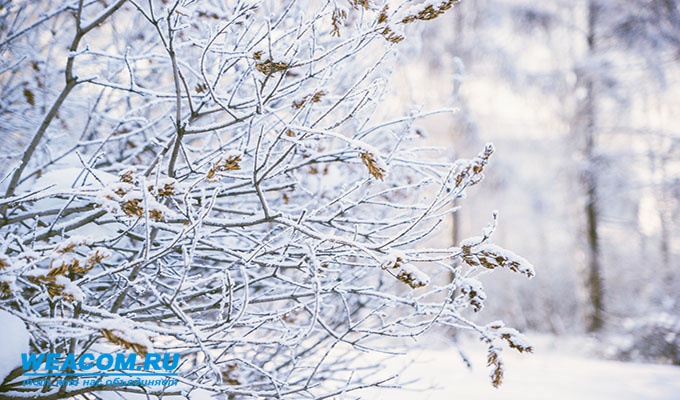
593, 283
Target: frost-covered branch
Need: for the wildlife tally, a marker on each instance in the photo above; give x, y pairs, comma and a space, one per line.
236, 197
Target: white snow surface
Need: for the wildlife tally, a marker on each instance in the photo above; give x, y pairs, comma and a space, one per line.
13, 341
559, 369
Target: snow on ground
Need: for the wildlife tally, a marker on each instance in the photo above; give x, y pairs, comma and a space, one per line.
14, 341
554, 371
560, 369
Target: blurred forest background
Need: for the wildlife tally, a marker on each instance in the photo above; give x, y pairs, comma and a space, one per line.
581, 100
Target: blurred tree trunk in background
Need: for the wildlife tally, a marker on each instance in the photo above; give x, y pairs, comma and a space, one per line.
586, 126
580, 98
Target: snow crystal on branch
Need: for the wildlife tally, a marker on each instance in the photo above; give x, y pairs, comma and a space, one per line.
393, 23
494, 334
406, 272
474, 293
229, 161
8, 286
427, 10
119, 332
470, 172
492, 256
67, 289
131, 197
412, 276
56, 284
515, 340
69, 244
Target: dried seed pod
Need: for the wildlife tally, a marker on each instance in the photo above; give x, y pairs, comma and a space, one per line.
374, 166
